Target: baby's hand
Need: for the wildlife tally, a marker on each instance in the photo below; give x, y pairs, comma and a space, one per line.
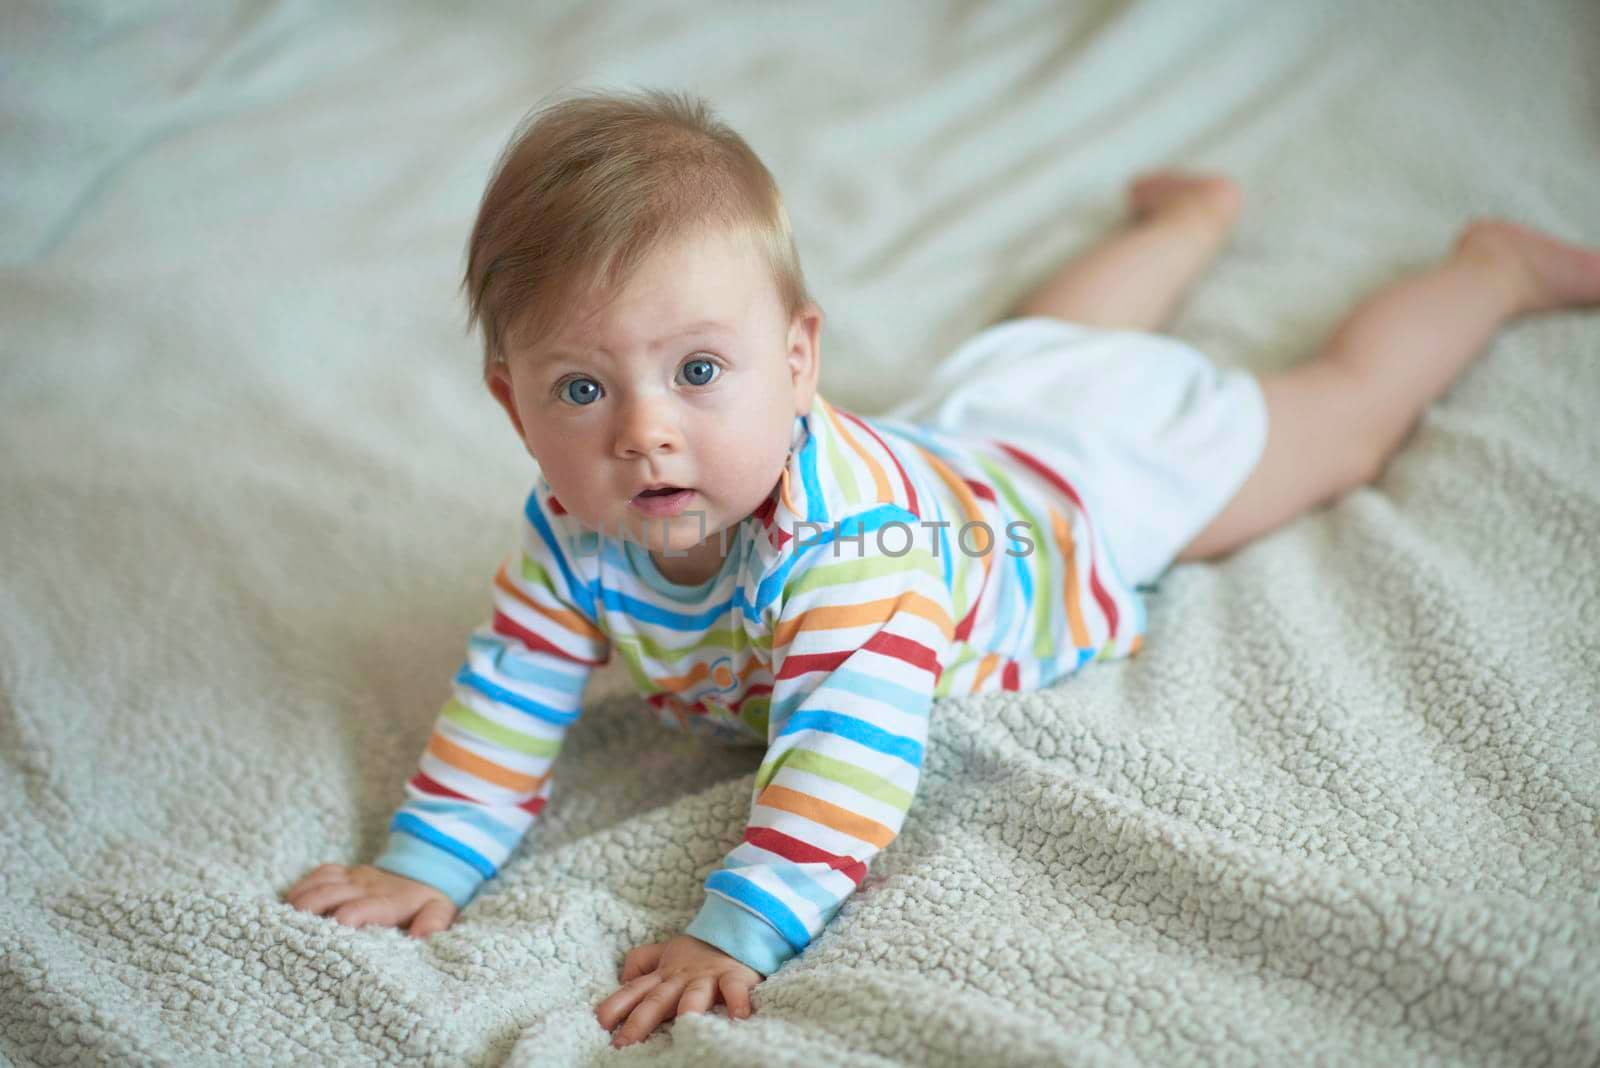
363, 894
661, 980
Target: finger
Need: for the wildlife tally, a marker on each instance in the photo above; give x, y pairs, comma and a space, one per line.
641, 960
312, 880
611, 1011
320, 899
309, 882
736, 995
320, 873
699, 997
326, 869
432, 918
369, 910
656, 1007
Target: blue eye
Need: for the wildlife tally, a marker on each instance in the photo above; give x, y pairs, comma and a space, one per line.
588, 394
693, 366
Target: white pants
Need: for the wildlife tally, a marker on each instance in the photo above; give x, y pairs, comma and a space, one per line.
1154, 437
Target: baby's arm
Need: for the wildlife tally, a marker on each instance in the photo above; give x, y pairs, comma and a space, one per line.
860, 642
486, 772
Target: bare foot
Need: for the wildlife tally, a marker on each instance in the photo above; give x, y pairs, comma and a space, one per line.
1212, 198
1548, 272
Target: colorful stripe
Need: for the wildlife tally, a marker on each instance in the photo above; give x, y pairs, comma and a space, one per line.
828, 648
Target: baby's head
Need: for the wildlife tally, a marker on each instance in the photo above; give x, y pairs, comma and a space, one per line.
644, 316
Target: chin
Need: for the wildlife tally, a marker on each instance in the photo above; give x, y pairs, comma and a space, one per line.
683, 544
648, 534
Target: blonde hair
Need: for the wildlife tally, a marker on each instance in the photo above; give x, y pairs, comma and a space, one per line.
589, 185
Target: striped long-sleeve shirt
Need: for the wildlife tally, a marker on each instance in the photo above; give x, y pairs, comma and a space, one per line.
891, 564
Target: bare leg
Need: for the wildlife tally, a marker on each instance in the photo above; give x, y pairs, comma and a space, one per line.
1135, 278
1334, 422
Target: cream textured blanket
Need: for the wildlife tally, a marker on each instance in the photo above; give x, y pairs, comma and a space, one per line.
1343, 808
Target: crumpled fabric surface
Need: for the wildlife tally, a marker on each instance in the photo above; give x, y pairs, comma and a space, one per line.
1341, 809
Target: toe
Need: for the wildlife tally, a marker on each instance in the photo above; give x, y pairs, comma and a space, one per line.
1215, 196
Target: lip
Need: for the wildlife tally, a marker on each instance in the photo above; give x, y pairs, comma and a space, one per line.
668, 504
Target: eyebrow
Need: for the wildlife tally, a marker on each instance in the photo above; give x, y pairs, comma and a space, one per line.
703, 326
695, 328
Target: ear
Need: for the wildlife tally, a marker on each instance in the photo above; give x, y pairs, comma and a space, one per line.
805, 355
499, 382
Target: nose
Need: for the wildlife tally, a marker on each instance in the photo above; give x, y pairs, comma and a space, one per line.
646, 424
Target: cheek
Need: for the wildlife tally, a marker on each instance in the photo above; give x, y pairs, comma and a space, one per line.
564, 464
754, 453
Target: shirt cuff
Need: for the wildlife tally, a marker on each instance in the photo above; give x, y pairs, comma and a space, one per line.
740, 934
410, 856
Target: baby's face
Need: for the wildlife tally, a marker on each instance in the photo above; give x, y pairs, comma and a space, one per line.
691, 376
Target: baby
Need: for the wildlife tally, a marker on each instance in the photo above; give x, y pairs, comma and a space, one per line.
776, 569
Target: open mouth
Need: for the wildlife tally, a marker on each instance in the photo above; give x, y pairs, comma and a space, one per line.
669, 500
